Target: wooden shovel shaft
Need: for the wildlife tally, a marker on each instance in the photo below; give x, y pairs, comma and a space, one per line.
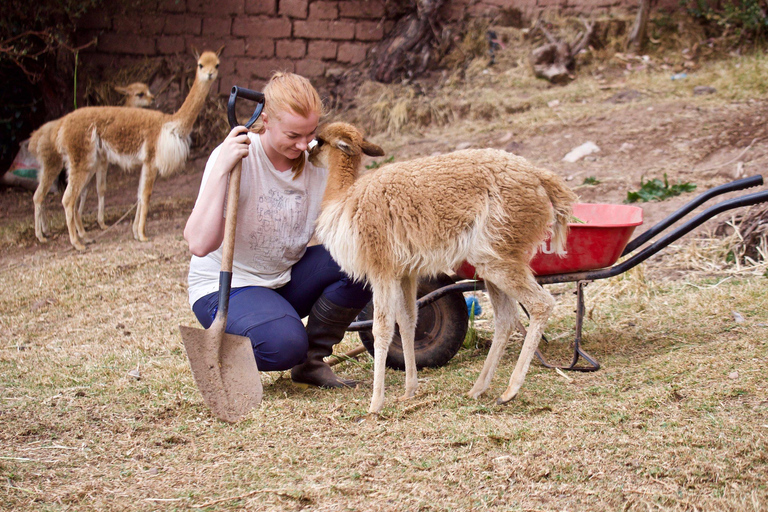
228, 246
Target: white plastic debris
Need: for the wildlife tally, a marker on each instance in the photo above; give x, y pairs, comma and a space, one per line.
580, 152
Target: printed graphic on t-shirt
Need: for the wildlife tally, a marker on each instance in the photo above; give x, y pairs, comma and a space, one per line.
279, 234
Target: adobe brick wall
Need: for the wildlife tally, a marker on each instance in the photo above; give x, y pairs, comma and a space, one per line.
309, 37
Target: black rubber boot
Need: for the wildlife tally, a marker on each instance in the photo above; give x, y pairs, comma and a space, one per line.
326, 326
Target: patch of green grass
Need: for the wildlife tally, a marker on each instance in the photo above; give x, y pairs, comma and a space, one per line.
591, 180
378, 163
658, 190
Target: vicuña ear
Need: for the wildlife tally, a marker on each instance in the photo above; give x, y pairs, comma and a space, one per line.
121, 90
371, 149
218, 52
345, 146
196, 53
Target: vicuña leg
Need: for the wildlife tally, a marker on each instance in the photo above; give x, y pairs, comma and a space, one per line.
505, 318
539, 304
407, 313
101, 186
384, 311
146, 183
49, 171
78, 177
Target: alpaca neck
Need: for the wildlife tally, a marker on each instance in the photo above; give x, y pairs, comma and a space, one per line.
193, 104
342, 174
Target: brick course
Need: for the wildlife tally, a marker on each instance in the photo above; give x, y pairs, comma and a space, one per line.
220, 27
311, 37
324, 29
294, 8
262, 27
260, 6
291, 49
323, 10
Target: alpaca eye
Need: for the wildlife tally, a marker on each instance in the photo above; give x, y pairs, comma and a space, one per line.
200, 66
140, 95
217, 66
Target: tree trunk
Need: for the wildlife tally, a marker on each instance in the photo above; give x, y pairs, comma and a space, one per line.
407, 49
636, 38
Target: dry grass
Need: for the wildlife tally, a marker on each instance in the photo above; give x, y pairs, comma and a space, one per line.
677, 418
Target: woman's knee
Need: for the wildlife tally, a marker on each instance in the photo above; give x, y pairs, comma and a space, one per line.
279, 344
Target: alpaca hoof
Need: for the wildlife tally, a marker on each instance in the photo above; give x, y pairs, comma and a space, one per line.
79, 246
475, 393
103, 226
42, 239
501, 400
406, 397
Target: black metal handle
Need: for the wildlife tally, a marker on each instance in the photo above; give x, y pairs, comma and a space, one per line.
248, 94
752, 181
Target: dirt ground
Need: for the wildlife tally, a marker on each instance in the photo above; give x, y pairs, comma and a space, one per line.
707, 145
99, 410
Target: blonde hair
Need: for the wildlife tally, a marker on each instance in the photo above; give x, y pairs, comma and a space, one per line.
287, 91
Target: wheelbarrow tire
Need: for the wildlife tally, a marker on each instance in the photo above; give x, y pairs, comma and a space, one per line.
440, 329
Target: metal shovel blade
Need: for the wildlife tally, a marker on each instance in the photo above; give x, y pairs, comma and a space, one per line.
224, 370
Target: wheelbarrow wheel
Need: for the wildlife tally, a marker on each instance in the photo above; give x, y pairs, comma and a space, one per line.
440, 329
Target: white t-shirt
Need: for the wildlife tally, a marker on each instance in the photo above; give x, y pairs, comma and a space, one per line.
275, 221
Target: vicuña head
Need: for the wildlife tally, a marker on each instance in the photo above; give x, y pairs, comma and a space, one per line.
136, 95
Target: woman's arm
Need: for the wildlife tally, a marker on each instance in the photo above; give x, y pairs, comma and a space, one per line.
204, 231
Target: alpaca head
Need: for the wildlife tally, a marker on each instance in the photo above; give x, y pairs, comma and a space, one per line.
341, 137
136, 95
207, 66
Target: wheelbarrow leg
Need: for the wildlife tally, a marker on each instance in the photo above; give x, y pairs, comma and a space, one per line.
578, 353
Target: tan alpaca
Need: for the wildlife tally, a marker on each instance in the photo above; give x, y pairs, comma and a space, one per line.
91, 137
421, 217
42, 144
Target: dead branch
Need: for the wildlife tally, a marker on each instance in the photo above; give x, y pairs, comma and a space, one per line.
556, 60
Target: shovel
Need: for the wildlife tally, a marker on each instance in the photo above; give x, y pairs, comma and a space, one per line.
223, 364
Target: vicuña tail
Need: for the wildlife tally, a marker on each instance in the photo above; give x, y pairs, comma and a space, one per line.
562, 199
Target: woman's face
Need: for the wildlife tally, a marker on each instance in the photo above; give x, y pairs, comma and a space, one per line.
290, 134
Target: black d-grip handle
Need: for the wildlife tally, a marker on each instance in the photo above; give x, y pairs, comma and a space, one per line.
248, 94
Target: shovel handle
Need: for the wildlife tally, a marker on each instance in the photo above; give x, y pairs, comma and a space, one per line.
228, 246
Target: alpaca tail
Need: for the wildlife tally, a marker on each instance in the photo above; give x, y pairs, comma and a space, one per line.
562, 199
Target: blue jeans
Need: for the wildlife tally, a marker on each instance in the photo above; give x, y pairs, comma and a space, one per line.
271, 319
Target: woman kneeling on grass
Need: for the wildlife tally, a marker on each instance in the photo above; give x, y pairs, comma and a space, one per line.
276, 278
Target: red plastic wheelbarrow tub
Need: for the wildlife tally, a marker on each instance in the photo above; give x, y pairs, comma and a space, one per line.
597, 243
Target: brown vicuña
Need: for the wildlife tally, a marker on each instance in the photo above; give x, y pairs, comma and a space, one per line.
91, 137
42, 145
425, 216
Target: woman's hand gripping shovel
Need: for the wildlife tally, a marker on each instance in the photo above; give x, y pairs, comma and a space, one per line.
223, 364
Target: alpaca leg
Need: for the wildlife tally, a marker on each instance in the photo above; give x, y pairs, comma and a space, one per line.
78, 174
49, 170
101, 189
79, 210
539, 304
407, 313
146, 183
384, 300
505, 316
81, 200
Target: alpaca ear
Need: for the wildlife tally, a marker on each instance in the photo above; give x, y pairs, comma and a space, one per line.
345, 145
218, 52
121, 90
371, 149
196, 53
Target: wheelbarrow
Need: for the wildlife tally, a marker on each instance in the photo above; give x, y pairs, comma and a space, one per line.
592, 247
